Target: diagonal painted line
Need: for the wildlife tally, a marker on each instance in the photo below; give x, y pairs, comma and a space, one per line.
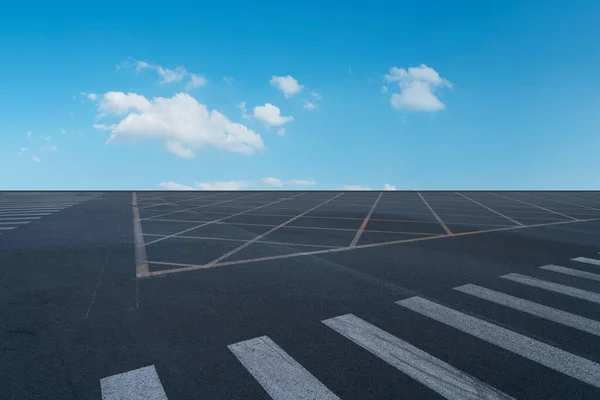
365, 222
487, 208
179, 201
562, 202
222, 219
259, 237
448, 231
533, 205
202, 206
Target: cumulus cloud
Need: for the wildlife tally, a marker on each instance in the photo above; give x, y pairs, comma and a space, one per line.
309, 105
271, 115
387, 186
195, 81
244, 110
224, 185
177, 149
273, 182
355, 187
287, 84
174, 186
316, 95
417, 88
91, 96
180, 119
301, 182
35, 159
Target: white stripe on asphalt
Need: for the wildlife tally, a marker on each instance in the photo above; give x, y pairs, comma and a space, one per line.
419, 365
587, 261
554, 287
559, 360
139, 384
23, 214
17, 218
536, 309
15, 222
572, 272
7, 228
277, 372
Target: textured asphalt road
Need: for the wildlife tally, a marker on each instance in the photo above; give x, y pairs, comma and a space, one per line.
74, 313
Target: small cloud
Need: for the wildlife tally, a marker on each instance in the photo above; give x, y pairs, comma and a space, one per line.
271, 115
387, 186
49, 148
228, 80
196, 81
28, 135
355, 187
228, 185
166, 75
384, 89
244, 110
316, 95
177, 149
417, 88
309, 106
287, 84
63, 131
273, 182
35, 159
23, 151
91, 96
301, 182
281, 131
174, 186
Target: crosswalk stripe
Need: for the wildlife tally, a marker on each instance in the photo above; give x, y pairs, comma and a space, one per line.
554, 287
587, 260
437, 375
559, 360
277, 372
536, 309
572, 272
139, 384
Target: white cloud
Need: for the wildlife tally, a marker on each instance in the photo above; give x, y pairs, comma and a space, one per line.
384, 89
309, 106
174, 186
287, 84
177, 149
417, 88
273, 182
281, 131
355, 187
23, 151
63, 131
49, 148
178, 119
270, 115
91, 96
316, 95
228, 80
301, 182
35, 159
387, 186
228, 185
28, 135
244, 110
195, 81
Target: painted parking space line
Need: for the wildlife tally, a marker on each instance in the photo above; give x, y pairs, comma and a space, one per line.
552, 357
432, 372
539, 310
282, 377
554, 287
139, 384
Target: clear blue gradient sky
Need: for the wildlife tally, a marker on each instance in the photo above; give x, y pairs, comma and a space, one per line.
416, 95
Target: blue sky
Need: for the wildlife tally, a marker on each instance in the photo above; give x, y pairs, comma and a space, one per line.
478, 95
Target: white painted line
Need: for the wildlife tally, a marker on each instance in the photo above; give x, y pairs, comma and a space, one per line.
178, 201
23, 214
244, 240
554, 287
532, 308
139, 384
219, 220
572, 272
282, 377
563, 202
15, 222
533, 205
587, 261
448, 231
16, 218
7, 228
259, 237
487, 208
365, 222
24, 208
202, 206
434, 373
554, 358
141, 261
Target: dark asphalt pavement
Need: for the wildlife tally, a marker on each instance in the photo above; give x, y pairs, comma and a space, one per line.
74, 312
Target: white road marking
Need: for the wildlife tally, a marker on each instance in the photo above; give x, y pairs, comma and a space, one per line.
533, 205
437, 217
554, 287
4, 228
259, 237
572, 272
245, 240
563, 202
277, 372
587, 261
32, 214
15, 222
532, 308
554, 358
141, 260
16, 218
487, 208
139, 384
365, 222
437, 375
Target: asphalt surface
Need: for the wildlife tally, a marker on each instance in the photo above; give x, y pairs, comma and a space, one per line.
246, 295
